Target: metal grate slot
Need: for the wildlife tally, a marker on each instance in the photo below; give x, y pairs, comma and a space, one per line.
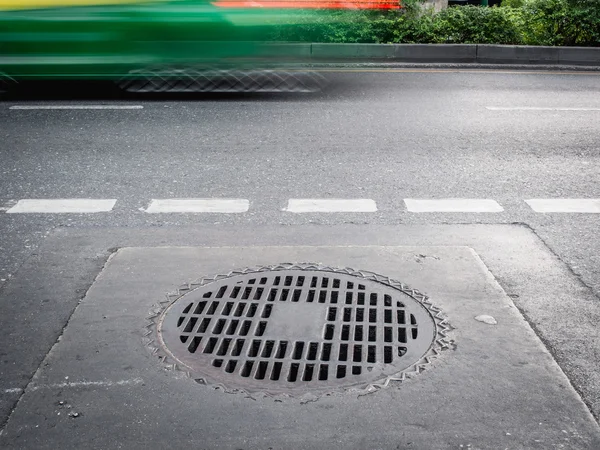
268, 349
254, 348
213, 307
308, 372
293, 374
276, 372
232, 327
267, 311
343, 352
230, 367
199, 308
331, 314
227, 309
371, 353
194, 344
281, 350
323, 372
402, 335
247, 369
210, 346
261, 371
298, 350
224, 347
237, 349
313, 347
246, 294
190, 325
218, 328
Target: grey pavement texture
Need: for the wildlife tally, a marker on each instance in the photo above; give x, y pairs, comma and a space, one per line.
385, 134
498, 388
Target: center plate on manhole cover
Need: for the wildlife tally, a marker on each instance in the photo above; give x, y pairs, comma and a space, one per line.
292, 329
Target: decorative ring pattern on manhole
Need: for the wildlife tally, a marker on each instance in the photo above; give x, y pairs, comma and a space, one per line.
292, 329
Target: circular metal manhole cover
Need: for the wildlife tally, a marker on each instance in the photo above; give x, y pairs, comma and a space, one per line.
292, 329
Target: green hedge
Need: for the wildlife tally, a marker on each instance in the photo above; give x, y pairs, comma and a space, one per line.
525, 22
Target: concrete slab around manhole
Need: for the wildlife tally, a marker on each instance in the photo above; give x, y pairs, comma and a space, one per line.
499, 388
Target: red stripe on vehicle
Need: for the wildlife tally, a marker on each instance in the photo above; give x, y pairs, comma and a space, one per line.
314, 4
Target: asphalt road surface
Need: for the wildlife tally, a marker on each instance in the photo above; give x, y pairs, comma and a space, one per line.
380, 149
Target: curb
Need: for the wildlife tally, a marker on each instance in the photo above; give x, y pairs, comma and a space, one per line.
447, 54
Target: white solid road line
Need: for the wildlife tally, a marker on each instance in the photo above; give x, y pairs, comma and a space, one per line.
198, 205
63, 205
34, 107
475, 205
565, 205
332, 205
538, 108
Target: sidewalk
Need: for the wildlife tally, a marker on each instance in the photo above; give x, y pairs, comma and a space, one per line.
497, 386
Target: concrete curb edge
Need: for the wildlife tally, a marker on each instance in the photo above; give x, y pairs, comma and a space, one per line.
448, 53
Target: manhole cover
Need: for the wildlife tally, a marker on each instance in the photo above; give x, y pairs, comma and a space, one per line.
291, 329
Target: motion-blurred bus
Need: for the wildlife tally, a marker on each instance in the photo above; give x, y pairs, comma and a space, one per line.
173, 45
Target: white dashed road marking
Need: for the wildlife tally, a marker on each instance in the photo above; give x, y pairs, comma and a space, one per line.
475, 205
63, 205
38, 107
565, 205
332, 205
297, 205
537, 108
199, 205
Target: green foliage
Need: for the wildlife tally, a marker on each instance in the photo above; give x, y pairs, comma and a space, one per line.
527, 22
474, 25
513, 3
561, 22
344, 26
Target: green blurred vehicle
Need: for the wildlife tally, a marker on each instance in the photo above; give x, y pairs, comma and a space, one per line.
155, 45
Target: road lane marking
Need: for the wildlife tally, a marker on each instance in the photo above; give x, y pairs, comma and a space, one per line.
36, 107
198, 205
330, 205
474, 205
63, 205
565, 205
538, 108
